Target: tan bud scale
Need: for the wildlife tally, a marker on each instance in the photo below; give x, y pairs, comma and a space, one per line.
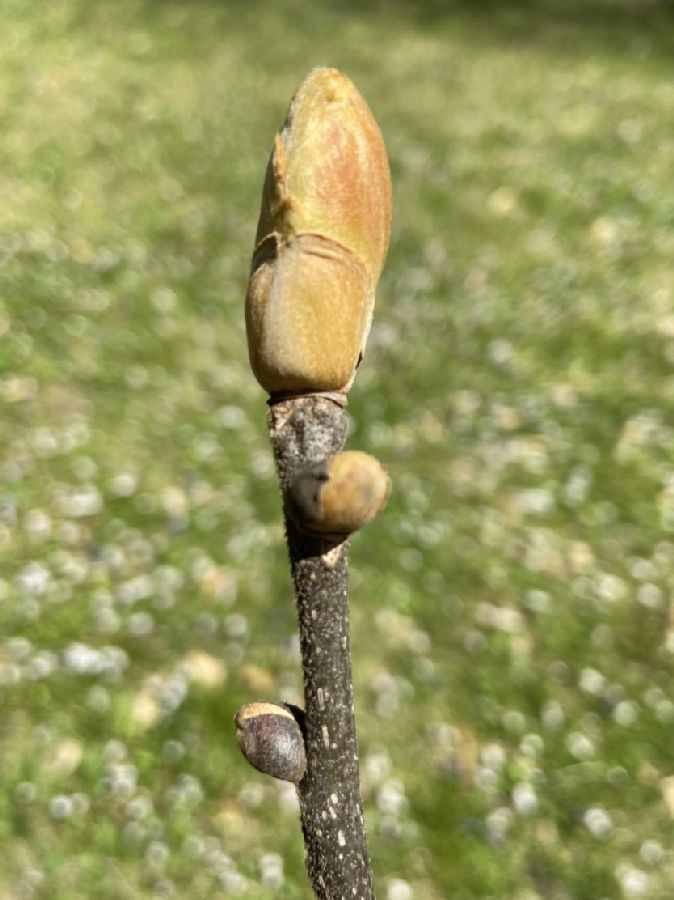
339, 495
321, 241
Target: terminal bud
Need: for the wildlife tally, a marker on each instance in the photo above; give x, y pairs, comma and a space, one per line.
321, 241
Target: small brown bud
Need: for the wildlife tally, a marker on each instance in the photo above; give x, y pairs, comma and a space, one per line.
321, 240
271, 739
339, 495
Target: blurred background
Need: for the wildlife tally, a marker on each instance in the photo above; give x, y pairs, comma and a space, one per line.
513, 628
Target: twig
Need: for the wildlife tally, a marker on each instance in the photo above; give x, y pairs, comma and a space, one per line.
305, 430
322, 236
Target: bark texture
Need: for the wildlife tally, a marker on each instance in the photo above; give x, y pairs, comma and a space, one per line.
305, 430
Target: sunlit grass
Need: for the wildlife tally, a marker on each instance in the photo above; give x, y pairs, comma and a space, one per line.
512, 614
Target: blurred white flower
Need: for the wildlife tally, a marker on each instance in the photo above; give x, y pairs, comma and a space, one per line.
251, 794
598, 822
591, 681
60, 807
124, 484
532, 745
83, 502
271, 870
140, 624
525, 800
493, 756
633, 882
398, 889
42, 665
626, 713
391, 797
156, 855
121, 779
376, 766
580, 746
652, 853
34, 579
38, 525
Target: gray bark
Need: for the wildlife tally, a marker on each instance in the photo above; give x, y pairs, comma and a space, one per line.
305, 430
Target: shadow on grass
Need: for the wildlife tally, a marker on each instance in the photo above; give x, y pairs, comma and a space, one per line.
644, 27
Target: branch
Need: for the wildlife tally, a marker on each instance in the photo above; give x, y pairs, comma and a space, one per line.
330, 494
307, 430
321, 240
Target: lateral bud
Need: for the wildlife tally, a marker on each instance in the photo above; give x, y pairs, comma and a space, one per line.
270, 737
339, 495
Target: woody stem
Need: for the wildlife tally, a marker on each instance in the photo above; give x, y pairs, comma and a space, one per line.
306, 430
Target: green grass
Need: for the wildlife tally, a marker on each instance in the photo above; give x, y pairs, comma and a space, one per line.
512, 614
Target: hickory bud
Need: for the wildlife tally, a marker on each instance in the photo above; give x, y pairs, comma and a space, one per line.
321, 240
271, 739
339, 495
